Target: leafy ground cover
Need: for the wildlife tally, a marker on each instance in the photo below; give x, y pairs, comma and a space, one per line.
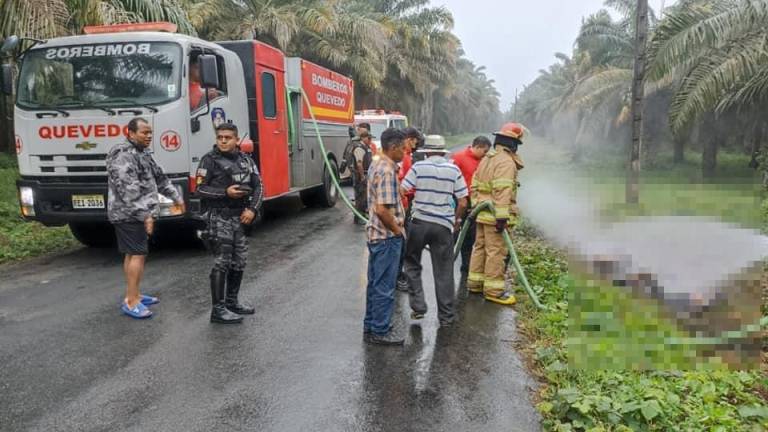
610, 400
20, 239
572, 399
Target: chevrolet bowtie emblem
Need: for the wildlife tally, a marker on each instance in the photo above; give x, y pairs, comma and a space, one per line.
86, 145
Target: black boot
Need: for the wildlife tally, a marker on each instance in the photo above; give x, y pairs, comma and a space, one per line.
234, 278
219, 312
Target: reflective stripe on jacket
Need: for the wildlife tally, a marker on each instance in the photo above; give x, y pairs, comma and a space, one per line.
496, 180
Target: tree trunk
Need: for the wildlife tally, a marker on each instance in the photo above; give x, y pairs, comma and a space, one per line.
577, 147
679, 156
638, 89
427, 108
709, 155
7, 144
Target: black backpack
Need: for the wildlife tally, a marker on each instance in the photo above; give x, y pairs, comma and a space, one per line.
348, 158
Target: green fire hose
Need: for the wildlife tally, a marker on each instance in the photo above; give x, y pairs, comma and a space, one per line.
724, 338
510, 247
507, 240
328, 166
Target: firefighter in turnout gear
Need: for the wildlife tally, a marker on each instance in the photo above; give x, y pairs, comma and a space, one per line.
496, 181
229, 186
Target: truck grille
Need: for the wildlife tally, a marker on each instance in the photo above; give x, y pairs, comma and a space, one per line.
91, 164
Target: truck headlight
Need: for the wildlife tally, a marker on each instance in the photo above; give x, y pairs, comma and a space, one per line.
27, 201
169, 208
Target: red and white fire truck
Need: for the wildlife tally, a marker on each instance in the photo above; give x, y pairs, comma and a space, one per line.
75, 96
381, 120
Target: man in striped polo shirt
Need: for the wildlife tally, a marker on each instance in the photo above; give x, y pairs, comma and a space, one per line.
436, 182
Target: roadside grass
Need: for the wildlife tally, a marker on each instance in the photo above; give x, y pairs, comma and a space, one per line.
594, 400
734, 195
607, 399
20, 239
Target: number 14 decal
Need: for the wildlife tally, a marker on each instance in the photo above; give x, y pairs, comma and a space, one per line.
170, 141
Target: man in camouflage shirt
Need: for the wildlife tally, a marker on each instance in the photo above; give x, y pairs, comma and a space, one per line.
134, 182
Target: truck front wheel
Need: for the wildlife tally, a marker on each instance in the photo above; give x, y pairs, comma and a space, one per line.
325, 195
329, 194
96, 235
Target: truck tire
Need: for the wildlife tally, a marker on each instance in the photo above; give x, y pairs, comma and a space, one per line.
95, 235
328, 194
322, 196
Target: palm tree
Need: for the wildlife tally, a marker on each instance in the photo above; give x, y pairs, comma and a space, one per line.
95, 12
714, 51
35, 19
638, 95
42, 19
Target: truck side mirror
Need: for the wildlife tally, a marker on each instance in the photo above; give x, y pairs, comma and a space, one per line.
6, 76
209, 71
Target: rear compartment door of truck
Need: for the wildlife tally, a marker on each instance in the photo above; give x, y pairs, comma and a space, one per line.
273, 133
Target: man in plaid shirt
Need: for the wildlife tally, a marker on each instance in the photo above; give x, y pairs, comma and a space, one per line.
386, 233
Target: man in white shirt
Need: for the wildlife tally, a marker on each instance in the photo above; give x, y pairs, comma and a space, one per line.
436, 183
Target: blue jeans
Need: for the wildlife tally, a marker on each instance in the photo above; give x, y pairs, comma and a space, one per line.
383, 267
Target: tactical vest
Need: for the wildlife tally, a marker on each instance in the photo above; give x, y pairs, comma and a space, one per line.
230, 171
367, 159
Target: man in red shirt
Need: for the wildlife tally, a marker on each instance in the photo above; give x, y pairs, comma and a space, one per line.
468, 160
196, 93
412, 138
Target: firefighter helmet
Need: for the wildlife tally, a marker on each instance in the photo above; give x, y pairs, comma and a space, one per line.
511, 130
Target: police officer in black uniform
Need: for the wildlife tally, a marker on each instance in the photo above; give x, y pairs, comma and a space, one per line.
229, 186
360, 159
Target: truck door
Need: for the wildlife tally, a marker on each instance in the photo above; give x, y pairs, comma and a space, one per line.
273, 133
296, 143
209, 108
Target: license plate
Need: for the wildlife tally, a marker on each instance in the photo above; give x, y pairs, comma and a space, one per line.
88, 201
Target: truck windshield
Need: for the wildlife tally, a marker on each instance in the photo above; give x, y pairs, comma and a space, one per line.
111, 74
398, 124
379, 126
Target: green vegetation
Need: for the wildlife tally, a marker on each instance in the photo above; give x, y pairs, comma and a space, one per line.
20, 239
734, 195
609, 400
706, 87
618, 400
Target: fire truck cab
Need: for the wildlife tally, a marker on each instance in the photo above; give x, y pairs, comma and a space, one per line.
381, 120
75, 96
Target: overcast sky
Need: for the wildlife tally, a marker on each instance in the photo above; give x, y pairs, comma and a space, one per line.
516, 38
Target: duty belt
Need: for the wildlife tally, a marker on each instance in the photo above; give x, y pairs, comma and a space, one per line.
227, 211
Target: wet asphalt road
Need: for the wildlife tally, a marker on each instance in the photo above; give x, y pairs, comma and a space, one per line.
71, 362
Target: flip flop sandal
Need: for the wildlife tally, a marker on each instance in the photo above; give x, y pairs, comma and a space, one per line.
137, 312
148, 300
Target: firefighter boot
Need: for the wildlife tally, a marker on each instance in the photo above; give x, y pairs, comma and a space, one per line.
219, 312
234, 279
505, 298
